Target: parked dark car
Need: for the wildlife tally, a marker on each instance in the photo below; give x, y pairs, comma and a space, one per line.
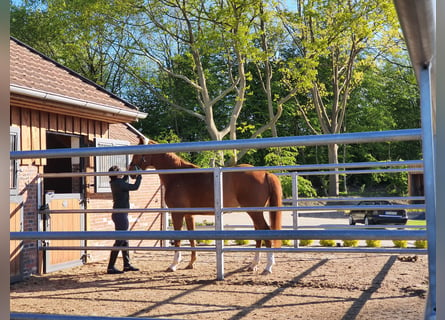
378, 216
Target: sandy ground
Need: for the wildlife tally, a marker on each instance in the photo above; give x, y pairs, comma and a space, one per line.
302, 286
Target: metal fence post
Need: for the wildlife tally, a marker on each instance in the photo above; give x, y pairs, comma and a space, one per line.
218, 193
429, 156
295, 204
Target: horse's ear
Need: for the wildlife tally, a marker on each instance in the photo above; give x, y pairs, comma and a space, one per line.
143, 140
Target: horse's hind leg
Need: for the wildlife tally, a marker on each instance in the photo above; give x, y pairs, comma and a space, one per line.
270, 259
253, 266
270, 263
177, 225
260, 224
256, 260
190, 222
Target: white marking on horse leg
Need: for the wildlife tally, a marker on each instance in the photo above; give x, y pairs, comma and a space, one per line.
270, 263
176, 260
254, 265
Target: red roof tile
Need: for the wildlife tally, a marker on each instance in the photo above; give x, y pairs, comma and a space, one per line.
31, 70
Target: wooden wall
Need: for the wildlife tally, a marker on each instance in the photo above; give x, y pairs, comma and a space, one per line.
34, 124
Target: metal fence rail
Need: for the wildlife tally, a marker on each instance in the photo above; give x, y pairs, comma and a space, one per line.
345, 234
219, 234
35, 316
314, 140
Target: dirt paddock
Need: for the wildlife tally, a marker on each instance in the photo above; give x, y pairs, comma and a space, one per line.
302, 286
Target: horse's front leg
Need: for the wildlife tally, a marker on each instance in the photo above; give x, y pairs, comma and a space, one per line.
177, 225
190, 223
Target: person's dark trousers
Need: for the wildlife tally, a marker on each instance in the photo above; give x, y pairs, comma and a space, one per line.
111, 269
121, 223
126, 257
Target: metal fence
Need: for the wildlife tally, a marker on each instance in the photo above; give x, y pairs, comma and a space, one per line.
219, 234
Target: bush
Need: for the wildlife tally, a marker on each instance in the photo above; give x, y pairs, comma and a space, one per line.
421, 244
327, 243
374, 243
204, 242
241, 242
400, 243
350, 243
286, 242
209, 242
305, 242
305, 188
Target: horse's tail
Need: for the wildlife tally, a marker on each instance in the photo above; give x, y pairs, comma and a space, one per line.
275, 200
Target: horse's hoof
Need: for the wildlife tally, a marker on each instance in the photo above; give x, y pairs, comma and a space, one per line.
252, 268
266, 272
190, 266
170, 270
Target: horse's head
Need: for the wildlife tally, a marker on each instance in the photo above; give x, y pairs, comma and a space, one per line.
141, 161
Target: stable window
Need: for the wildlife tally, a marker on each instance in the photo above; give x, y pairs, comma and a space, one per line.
103, 163
14, 145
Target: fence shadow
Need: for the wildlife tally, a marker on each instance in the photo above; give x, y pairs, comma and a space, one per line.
360, 302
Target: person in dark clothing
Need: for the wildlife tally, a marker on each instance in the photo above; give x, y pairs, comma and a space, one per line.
120, 187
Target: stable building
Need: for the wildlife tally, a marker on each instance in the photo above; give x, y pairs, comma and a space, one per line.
52, 107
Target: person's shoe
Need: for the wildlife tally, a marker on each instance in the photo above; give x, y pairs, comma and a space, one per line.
113, 271
130, 268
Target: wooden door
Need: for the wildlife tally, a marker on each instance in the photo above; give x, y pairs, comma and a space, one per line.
15, 246
60, 259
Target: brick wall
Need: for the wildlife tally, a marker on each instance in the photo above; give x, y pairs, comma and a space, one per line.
28, 191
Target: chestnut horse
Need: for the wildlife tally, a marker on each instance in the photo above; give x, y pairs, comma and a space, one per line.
195, 190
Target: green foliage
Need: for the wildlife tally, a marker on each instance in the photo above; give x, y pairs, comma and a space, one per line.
327, 243
350, 243
241, 242
287, 156
205, 242
374, 243
77, 34
387, 91
281, 156
305, 242
286, 242
305, 188
400, 243
421, 244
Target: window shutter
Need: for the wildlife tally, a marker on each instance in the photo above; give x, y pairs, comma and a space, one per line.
103, 163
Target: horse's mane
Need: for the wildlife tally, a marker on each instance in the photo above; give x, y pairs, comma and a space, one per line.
173, 157
180, 162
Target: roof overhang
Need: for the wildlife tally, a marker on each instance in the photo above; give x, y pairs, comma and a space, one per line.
51, 102
418, 21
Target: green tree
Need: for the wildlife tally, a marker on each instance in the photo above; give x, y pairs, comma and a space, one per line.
75, 34
200, 59
387, 99
335, 41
